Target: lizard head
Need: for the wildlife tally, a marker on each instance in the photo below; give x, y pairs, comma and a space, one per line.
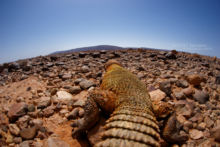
111, 64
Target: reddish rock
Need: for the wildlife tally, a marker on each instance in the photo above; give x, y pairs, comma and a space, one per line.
195, 134
48, 111
195, 79
13, 128
188, 91
28, 133
201, 96
43, 102
55, 142
3, 119
157, 95
17, 110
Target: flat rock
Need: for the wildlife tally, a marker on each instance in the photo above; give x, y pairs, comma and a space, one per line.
157, 95
195, 79
48, 111
195, 134
201, 96
23, 121
13, 128
43, 102
75, 90
24, 144
63, 96
66, 76
182, 83
55, 142
165, 86
28, 133
3, 119
188, 91
85, 84
17, 110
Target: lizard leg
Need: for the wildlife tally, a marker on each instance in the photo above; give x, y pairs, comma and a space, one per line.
171, 131
96, 99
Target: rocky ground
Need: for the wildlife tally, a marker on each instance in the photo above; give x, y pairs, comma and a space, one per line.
37, 95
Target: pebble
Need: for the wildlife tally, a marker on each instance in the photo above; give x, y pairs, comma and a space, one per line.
13, 128
201, 96
165, 87
55, 142
85, 84
17, 110
28, 133
182, 83
63, 97
75, 90
49, 111
195, 134
43, 102
17, 140
195, 79
157, 95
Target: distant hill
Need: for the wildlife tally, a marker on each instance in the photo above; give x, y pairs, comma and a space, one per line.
99, 47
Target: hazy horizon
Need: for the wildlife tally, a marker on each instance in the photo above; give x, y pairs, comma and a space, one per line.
32, 28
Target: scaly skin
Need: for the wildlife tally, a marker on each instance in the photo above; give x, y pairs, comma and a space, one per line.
125, 97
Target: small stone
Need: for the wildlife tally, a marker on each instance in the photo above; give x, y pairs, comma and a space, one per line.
188, 91
28, 133
201, 96
67, 76
179, 95
197, 118
17, 110
209, 122
63, 112
195, 134
216, 133
13, 128
170, 55
23, 121
49, 111
184, 108
55, 142
43, 102
195, 79
85, 69
63, 96
17, 140
165, 87
37, 122
79, 103
31, 108
157, 95
37, 144
85, 84
201, 126
182, 83
75, 90
82, 54
24, 144
3, 119
9, 138
20, 99
217, 80
77, 81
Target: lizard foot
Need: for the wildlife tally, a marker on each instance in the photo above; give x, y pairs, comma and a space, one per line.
171, 131
90, 118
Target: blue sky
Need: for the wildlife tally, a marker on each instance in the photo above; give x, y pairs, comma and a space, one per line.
30, 28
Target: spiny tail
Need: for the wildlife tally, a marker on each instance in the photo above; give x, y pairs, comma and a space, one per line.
129, 128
